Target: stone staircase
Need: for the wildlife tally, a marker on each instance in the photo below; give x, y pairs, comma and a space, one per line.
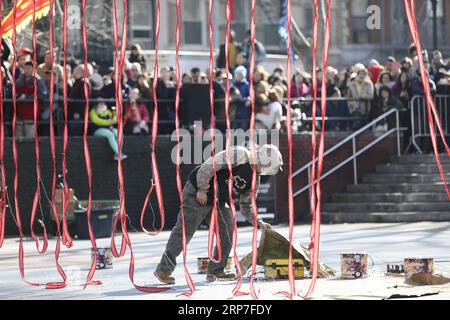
408, 189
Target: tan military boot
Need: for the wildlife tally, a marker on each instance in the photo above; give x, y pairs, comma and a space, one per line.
164, 277
220, 276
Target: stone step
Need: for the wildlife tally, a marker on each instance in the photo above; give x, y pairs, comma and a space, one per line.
380, 217
389, 197
399, 187
421, 158
392, 207
412, 168
402, 178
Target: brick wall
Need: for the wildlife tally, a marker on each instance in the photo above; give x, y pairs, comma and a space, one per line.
137, 173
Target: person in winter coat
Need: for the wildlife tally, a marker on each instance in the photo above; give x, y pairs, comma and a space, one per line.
270, 111
385, 102
233, 49
361, 90
417, 85
103, 121
136, 55
25, 106
260, 51
76, 108
243, 108
299, 88
136, 115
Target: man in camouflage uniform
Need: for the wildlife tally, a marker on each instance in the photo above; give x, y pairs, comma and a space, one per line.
198, 197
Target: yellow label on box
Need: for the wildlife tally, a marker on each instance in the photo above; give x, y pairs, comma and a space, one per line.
279, 268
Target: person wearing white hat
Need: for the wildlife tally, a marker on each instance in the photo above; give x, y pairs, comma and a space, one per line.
243, 109
198, 200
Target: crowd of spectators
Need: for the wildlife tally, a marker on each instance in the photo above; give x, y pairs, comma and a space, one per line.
370, 90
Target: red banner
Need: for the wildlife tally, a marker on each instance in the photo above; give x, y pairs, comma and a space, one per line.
24, 15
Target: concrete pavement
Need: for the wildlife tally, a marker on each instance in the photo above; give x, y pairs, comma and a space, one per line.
385, 243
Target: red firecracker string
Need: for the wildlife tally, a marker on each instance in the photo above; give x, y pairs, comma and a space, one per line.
15, 152
118, 69
253, 153
229, 11
178, 175
214, 222
155, 171
289, 137
431, 107
66, 238
37, 194
61, 284
16, 157
3, 201
87, 156
315, 227
313, 130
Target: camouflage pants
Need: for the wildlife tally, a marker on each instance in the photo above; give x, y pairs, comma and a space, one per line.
194, 214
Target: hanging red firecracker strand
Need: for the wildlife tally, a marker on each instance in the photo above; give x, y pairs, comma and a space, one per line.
3, 201
177, 128
119, 60
18, 218
16, 154
253, 292
290, 194
54, 209
66, 238
317, 214
155, 171
313, 129
431, 106
87, 156
37, 194
229, 15
214, 222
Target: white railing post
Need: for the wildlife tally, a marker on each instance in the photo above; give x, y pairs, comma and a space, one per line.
355, 167
397, 116
309, 181
414, 133
443, 103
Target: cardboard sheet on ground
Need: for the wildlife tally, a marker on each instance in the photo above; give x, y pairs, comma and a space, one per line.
274, 246
421, 279
376, 287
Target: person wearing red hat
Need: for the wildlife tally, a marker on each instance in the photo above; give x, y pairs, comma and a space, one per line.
23, 56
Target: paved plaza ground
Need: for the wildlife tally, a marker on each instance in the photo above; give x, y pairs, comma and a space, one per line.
385, 243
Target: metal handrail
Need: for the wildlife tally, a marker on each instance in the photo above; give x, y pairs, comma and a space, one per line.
355, 154
58, 100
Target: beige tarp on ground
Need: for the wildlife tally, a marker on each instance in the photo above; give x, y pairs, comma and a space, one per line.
274, 246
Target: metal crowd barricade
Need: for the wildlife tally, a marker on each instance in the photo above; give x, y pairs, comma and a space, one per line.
419, 119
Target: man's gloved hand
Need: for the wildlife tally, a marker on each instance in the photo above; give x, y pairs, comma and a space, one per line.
202, 198
265, 226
